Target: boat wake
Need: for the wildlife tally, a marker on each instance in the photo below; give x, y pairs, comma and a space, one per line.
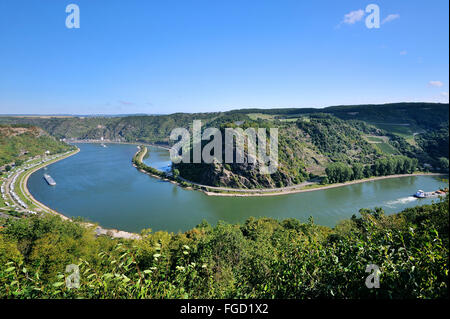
403, 200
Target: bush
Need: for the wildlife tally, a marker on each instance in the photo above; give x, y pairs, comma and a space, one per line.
263, 258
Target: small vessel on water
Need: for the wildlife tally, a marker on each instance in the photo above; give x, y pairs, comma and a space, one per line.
103, 145
49, 180
421, 194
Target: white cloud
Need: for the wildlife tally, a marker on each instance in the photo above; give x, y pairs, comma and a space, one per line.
445, 96
404, 52
390, 18
353, 17
436, 84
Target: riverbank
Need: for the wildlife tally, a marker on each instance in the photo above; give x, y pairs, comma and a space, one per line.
115, 142
317, 187
142, 155
141, 166
114, 194
23, 181
98, 229
294, 189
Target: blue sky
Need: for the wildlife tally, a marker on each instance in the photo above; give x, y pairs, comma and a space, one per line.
147, 56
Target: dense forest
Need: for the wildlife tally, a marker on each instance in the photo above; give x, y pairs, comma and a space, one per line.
390, 165
262, 258
153, 129
305, 148
424, 115
322, 146
156, 128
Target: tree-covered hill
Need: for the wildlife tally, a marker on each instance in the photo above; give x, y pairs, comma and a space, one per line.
305, 148
154, 129
19, 142
420, 114
309, 139
427, 116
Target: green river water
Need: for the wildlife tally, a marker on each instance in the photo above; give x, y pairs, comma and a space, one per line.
100, 184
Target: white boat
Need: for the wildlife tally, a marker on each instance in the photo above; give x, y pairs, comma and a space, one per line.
421, 194
49, 180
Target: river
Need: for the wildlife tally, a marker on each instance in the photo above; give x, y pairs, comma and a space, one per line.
101, 185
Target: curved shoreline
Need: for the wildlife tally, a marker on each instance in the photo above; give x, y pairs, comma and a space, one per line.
122, 234
23, 184
304, 190
294, 189
116, 142
141, 157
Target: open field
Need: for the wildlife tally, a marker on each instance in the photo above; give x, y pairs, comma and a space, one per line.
382, 143
257, 116
387, 148
404, 130
376, 139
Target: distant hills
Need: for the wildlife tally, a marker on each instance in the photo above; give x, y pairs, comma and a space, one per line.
310, 139
75, 115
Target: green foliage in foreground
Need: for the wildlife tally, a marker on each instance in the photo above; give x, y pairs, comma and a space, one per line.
263, 258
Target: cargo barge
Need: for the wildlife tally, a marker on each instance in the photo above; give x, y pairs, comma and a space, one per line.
49, 180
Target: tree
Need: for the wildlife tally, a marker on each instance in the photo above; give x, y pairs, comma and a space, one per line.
399, 165
338, 173
18, 162
391, 164
414, 163
368, 171
443, 163
407, 165
358, 171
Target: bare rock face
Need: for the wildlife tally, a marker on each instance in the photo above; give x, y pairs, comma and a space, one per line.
9, 131
234, 175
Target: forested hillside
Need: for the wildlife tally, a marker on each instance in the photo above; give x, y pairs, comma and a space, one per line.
19, 142
262, 258
397, 117
422, 115
309, 139
305, 148
154, 129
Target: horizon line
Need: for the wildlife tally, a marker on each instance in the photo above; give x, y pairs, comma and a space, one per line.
237, 109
